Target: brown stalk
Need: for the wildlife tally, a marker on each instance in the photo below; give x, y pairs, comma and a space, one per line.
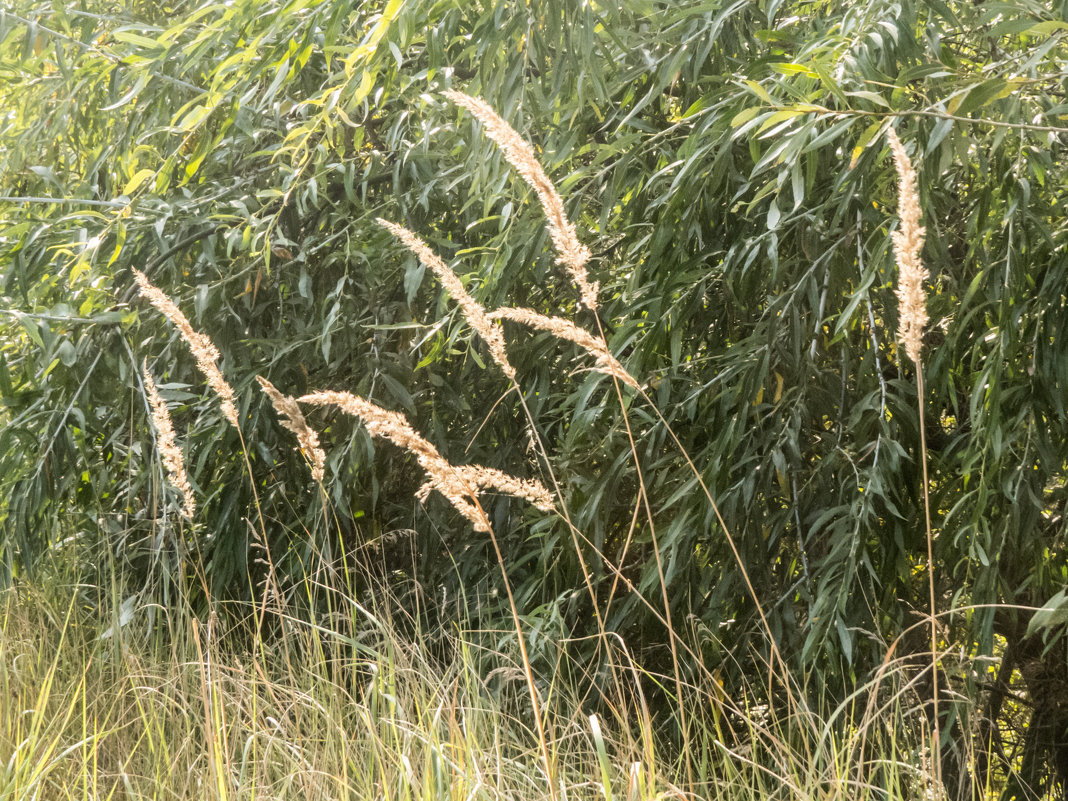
912, 314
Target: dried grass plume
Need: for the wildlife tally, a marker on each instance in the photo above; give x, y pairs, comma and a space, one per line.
204, 351
483, 478
293, 420
472, 309
908, 242
459, 485
573, 254
168, 449
565, 329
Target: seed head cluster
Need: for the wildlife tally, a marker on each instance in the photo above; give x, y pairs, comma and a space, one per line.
459, 485
565, 329
472, 309
573, 255
908, 242
204, 351
169, 451
482, 478
293, 420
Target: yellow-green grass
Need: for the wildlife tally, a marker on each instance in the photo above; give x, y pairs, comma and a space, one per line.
349, 708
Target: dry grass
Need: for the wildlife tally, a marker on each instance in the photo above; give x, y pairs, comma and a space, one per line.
573, 255
293, 420
167, 446
360, 711
203, 349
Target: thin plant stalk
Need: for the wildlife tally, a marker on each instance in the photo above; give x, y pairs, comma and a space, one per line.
912, 318
207, 356
460, 487
683, 723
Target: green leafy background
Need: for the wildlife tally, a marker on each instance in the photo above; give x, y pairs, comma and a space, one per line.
726, 163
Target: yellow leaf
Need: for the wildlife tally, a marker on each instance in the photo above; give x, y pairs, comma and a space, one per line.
744, 116
139, 178
120, 240
760, 92
370, 44
777, 117
783, 484
865, 140
76, 271
367, 83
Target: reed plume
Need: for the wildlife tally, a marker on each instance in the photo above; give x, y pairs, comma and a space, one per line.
573, 255
293, 420
565, 329
168, 449
204, 351
459, 485
908, 241
472, 309
480, 478
912, 314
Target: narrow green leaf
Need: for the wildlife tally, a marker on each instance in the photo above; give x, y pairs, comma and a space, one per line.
129, 37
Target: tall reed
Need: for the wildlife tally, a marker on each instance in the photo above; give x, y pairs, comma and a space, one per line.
490, 331
912, 318
573, 256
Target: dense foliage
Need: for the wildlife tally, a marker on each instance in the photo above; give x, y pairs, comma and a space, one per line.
726, 163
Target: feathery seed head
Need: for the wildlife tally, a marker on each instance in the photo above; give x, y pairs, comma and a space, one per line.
565, 329
573, 255
530, 489
168, 449
204, 351
459, 485
472, 309
293, 420
908, 242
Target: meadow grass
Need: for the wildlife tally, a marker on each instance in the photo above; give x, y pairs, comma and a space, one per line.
359, 704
